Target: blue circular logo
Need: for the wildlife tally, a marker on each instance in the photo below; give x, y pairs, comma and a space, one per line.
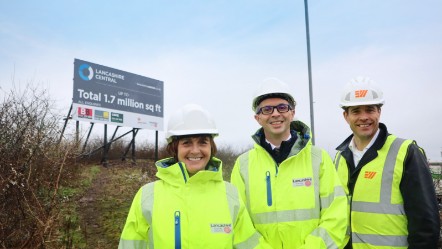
89, 74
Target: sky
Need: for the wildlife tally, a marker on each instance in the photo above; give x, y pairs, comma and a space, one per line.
215, 53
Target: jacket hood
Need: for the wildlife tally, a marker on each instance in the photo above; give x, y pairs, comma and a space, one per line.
175, 173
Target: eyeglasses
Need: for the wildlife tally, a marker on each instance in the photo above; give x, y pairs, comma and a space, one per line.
266, 110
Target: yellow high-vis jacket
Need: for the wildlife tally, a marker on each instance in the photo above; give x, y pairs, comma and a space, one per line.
392, 198
377, 207
298, 204
185, 212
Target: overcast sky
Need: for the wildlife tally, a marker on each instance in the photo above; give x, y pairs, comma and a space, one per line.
214, 53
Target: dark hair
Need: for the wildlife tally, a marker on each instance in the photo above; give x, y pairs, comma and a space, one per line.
172, 147
284, 96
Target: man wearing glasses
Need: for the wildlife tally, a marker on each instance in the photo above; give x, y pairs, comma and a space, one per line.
290, 187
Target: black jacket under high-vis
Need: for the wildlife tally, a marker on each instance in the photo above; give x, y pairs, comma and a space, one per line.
416, 187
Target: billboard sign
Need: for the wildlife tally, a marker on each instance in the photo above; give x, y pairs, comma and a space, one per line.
111, 96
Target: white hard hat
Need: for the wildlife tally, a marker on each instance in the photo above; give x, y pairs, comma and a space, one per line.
188, 120
361, 91
272, 88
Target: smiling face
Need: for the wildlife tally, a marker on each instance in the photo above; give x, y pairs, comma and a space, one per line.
194, 152
364, 122
276, 125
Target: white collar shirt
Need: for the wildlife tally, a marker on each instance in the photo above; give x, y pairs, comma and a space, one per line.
274, 146
358, 154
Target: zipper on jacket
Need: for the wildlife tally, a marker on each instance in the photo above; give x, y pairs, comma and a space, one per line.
177, 230
182, 171
276, 168
269, 189
350, 202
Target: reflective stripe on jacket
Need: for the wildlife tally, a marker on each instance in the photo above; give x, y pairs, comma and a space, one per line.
177, 212
297, 204
416, 187
377, 209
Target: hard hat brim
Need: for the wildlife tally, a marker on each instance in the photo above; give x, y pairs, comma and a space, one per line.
284, 96
344, 105
171, 134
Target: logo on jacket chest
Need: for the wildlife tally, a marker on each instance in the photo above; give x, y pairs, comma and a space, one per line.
221, 228
302, 182
369, 174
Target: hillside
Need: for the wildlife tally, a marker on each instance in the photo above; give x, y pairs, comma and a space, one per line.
99, 214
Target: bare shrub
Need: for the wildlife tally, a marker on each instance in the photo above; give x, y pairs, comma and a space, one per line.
228, 155
31, 168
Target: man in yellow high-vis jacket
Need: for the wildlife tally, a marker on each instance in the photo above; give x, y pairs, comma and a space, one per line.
387, 179
290, 186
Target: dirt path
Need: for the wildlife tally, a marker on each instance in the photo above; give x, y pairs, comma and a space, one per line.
90, 211
104, 207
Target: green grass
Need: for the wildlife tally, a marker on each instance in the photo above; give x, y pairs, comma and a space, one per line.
70, 234
88, 175
110, 192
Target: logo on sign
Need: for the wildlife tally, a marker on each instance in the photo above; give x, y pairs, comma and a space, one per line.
85, 71
116, 117
153, 124
101, 115
84, 112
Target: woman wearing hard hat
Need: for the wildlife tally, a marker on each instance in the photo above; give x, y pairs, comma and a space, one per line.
190, 206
